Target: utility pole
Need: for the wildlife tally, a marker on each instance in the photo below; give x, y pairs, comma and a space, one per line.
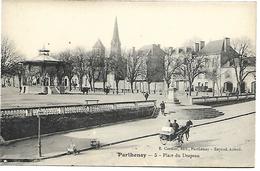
39, 132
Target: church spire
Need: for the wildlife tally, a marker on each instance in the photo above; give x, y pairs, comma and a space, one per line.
115, 43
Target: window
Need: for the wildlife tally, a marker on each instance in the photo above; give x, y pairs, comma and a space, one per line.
198, 84
206, 84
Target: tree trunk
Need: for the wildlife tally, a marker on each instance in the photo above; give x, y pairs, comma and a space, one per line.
190, 86
117, 82
149, 90
104, 85
213, 89
20, 81
70, 80
132, 89
13, 82
80, 82
90, 84
94, 86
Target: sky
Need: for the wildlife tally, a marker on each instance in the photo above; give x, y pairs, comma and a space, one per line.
31, 24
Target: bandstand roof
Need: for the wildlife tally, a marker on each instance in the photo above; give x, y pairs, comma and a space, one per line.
43, 57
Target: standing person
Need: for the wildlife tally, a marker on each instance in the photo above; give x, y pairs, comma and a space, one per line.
169, 124
146, 95
162, 105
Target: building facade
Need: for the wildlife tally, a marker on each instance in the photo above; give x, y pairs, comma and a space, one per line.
220, 75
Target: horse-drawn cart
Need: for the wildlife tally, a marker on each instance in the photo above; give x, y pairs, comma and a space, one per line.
168, 134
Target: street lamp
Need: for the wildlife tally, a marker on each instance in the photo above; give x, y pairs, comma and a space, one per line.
39, 132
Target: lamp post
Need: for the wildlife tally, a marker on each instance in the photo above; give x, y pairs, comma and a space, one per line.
39, 132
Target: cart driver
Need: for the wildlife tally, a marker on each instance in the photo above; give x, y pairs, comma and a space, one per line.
175, 126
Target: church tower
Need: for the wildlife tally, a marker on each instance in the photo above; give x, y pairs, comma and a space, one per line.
115, 43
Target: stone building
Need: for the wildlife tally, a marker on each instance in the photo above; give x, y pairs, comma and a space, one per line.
219, 55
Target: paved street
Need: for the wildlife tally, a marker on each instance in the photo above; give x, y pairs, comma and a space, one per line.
57, 143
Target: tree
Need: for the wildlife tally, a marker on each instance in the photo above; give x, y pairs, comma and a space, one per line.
214, 76
10, 59
154, 68
118, 65
67, 58
80, 64
95, 69
192, 65
134, 68
172, 64
242, 61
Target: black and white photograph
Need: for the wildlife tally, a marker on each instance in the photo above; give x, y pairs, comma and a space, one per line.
128, 83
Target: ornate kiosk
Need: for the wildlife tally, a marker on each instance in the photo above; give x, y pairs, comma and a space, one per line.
43, 74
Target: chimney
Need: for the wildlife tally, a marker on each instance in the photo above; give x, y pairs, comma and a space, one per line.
202, 44
197, 45
226, 43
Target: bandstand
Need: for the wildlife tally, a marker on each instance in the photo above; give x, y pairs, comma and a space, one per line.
43, 74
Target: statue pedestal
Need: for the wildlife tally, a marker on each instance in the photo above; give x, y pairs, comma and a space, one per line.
171, 97
171, 102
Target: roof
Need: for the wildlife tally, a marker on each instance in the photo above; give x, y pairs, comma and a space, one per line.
216, 47
98, 44
145, 50
42, 58
213, 47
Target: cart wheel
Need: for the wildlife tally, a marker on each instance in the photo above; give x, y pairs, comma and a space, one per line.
163, 139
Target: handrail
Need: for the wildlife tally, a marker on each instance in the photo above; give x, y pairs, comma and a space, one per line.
203, 97
69, 109
77, 105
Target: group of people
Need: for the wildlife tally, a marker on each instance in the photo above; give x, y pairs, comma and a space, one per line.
175, 126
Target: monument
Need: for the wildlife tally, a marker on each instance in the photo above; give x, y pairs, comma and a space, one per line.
172, 100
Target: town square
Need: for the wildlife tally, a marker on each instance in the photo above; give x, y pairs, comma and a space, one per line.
128, 83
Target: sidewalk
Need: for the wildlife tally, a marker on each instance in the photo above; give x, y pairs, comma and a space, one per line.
57, 144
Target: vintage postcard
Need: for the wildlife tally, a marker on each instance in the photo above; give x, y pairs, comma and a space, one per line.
128, 83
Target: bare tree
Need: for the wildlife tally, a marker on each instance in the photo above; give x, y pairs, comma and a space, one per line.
172, 64
118, 65
80, 64
10, 59
242, 61
214, 75
96, 66
66, 57
154, 68
192, 66
134, 68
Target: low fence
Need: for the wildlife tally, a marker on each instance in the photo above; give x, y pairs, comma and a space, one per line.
206, 100
19, 123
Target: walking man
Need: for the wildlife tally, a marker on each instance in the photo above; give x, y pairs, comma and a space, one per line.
162, 105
